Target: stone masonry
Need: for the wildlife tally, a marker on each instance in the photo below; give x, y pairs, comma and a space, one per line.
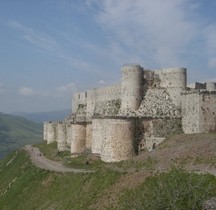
119, 121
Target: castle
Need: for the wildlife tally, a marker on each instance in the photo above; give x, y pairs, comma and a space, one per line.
119, 121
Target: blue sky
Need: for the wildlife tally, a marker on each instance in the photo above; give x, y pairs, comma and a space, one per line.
51, 48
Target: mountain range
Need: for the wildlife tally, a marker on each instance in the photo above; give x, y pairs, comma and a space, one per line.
45, 116
17, 131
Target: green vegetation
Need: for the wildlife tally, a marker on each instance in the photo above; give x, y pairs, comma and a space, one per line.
95, 163
23, 186
16, 132
133, 184
52, 153
176, 189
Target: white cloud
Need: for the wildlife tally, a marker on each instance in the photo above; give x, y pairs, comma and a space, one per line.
62, 91
70, 87
48, 45
158, 32
29, 92
36, 38
101, 82
25, 91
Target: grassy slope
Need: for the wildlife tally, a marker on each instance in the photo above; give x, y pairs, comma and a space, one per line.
22, 186
16, 132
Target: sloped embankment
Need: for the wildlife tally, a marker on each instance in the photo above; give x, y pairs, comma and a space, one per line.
145, 182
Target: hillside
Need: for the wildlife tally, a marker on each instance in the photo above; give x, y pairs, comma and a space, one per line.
161, 179
45, 116
16, 132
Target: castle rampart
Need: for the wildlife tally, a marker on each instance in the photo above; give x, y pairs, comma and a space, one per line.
119, 121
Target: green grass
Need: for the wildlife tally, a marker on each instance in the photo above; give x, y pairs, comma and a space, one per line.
51, 152
176, 189
132, 165
23, 186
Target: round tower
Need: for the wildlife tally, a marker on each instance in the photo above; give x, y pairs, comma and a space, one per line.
97, 135
172, 77
45, 131
88, 136
210, 86
51, 132
78, 142
131, 86
69, 132
61, 139
118, 140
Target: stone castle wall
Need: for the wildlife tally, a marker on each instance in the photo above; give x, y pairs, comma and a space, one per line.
61, 136
211, 86
190, 112
207, 119
88, 136
68, 131
158, 102
198, 111
118, 139
45, 131
78, 142
93, 97
51, 132
131, 87
119, 121
154, 130
98, 126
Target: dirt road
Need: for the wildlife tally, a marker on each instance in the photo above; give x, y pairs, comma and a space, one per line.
42, 162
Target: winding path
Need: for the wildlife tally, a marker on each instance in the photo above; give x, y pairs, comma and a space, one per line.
42, 162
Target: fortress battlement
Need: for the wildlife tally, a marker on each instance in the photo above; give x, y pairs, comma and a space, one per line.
119, 121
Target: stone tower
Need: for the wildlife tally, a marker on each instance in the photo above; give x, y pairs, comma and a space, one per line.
131, 86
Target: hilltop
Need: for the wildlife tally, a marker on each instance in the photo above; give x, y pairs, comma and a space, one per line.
44, 116
160, 179
17, 131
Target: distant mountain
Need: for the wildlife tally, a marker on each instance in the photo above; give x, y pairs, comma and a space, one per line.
45, 116
17, 131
